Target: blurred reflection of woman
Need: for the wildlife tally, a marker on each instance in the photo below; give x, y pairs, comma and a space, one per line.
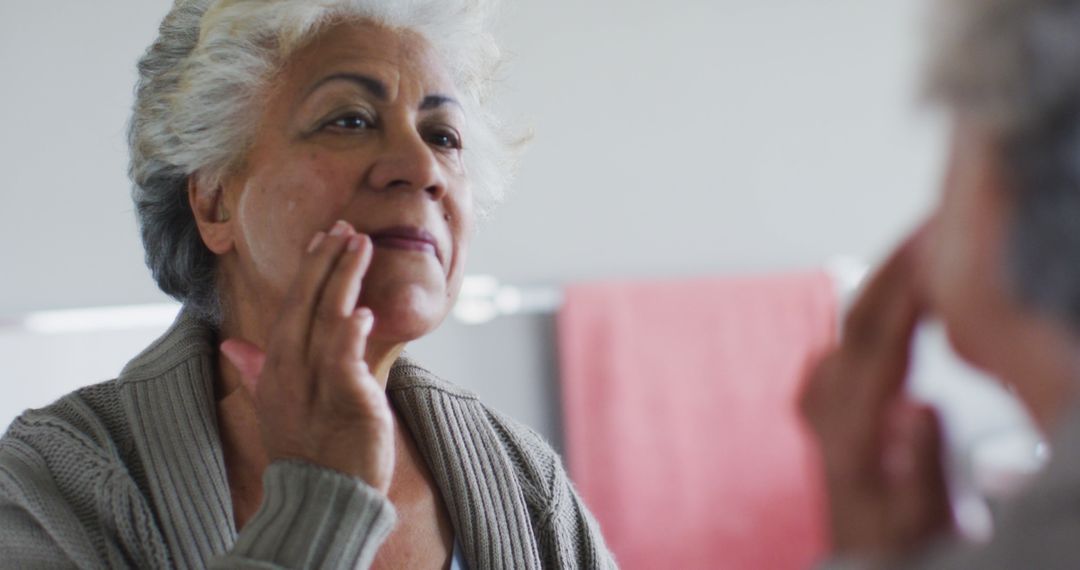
998, 264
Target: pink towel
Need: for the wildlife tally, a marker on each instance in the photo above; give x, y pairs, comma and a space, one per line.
681, 430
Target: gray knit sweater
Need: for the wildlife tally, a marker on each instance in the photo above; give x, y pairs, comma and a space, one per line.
130, 474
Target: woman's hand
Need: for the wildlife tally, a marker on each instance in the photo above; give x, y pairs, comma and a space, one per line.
882, 451
314, 395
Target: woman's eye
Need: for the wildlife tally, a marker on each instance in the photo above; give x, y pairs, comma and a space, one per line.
445, 139
351, 123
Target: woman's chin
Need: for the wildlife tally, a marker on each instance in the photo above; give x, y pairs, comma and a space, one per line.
405, 313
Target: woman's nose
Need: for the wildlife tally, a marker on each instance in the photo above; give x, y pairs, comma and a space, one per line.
407, 162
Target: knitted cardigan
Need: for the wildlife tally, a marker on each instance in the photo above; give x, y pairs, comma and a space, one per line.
130, 474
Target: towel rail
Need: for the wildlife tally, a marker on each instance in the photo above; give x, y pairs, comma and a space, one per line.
482, 299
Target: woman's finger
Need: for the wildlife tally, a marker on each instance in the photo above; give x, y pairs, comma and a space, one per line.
293, 329
864, 328
877, 339
876, 373
347, 377
340, 293
917, 486
342, 287
930, 469
817, 398
247, 358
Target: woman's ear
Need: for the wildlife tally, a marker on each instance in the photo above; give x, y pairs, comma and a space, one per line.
212, 214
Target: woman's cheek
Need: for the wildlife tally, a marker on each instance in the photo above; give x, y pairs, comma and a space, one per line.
274, 224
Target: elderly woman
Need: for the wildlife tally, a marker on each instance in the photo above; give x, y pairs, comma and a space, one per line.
999, 264
307, 178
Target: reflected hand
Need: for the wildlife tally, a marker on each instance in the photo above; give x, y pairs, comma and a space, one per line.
882, 451
314, 395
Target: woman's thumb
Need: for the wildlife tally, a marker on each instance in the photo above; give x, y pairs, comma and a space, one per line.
247, 358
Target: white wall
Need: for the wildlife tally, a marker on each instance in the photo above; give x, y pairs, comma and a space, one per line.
697, 136
38, 369
675, 138
67, 233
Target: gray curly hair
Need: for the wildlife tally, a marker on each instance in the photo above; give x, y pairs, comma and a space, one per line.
1014, 67
198, 92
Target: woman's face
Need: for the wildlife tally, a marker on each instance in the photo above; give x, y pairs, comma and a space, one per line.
362, 125
967, 283
966, 253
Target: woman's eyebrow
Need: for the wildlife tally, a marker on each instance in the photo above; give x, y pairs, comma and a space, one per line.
435, 101
379, 90
368, 83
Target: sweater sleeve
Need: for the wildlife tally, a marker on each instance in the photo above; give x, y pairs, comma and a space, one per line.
312, 517
65, 503
1038, 529
573, 526
568, 535
24, 543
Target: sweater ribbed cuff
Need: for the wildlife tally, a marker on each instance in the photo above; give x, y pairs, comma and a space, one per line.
312, 517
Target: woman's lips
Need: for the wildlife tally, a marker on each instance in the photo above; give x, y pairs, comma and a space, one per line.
407, 239
404, 243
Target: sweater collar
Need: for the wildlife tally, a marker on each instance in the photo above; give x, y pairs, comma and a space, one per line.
471, 466
168, 394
